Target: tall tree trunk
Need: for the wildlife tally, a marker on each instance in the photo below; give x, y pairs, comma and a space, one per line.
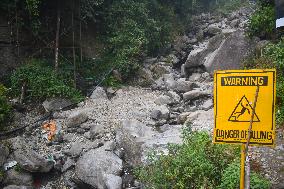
80, 33
57, 36
73, 45
17, 30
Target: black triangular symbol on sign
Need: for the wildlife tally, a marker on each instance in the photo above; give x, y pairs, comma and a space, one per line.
243, 111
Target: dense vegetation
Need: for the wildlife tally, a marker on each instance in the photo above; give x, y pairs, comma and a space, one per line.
262, 25
5, 108
43, 82
262, 22
197, 163
127, 31
272, 56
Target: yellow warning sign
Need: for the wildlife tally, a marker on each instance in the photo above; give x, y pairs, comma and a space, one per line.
234, 94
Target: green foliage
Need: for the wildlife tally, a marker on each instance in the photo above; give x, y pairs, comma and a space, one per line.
99, 70
225, 7
42, 82
5, 107
273, 57
18, 168
197, 163
111, 82
231, 176
33, 8
88, 8
2, 174
127, 35
137, 28
275, 52
262, 22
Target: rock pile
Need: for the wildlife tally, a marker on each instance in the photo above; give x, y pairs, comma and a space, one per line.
97, 143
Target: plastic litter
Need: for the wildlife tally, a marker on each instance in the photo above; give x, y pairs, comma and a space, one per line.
10, 165
49, 130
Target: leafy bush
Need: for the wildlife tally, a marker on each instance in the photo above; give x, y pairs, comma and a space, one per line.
111, 81
226, 7
197, 163
273, 57
231, 178
136, 29
275, 52
5, 108
42, 82
262, 22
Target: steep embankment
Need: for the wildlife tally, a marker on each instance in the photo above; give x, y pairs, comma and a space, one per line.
96, 143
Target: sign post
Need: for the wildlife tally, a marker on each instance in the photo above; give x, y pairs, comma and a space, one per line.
243, 160
236, 94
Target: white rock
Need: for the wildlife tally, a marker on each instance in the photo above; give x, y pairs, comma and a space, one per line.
99, 93
194, 94
76, 118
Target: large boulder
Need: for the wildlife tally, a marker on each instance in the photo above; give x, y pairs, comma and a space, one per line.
230, 53
28, 159
113, 181
197, 57
76, 119
97, 131
160, 112
68, 164
56, 104
17, 187
4, 152
159, 141
195, 77
138, 140
182, 85
77, 147
208, 104
169, 98
175, 98
18, 178
200, 35
96, 166
99, 93
182, 117
194, 94
169, 81
181, 43
150, 60
173, 59
163, 100
202, 120
143, 77
158, 70
126, 136
213, 29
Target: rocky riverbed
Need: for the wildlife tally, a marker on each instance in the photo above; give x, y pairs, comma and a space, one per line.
98, 143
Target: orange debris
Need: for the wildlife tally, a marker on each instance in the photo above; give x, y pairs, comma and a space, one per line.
50, 127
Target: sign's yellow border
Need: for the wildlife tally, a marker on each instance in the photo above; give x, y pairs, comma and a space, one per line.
273, 104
